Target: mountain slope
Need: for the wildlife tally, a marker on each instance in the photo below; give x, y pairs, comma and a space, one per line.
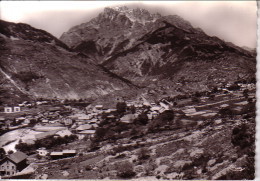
33, 62
160, 51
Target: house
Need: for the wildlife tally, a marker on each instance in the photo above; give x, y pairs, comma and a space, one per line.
2, 119
98, 108
63, 133
84, 127
69, 153
88, 133
189, 109
17, 109
67, 122
13, 163
129, 118
155, 108
8, 109
45, 134
12, 109
63, 154
42, 151
56, 155
45, 121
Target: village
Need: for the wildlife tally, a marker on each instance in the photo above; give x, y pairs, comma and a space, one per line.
39, 132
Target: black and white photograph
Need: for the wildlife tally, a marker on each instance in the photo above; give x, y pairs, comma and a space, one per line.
128, 90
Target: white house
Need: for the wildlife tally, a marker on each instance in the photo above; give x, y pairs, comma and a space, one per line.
12, 109
42, 151
17, 109
8, 110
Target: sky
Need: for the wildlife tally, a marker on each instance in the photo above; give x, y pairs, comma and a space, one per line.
232, 21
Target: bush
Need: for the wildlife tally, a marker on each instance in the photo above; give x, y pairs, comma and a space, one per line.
141, 119
27, 77
233, 87
226, 112
242, 136
100, 133
143, 154
163, 119
121, 107
195, 99
126, 170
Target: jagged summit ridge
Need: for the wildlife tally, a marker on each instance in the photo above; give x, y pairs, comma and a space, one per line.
134, 15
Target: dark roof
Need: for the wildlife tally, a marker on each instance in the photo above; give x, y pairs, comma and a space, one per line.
17, 157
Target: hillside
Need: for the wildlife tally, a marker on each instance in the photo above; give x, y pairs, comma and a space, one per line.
157, 49
36, 64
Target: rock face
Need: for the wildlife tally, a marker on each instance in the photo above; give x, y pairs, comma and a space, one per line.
114, 30
145, 48
35, 63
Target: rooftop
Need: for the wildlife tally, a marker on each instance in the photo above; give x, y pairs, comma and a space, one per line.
17, 157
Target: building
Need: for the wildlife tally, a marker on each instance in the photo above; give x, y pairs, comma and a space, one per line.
87, 133
42, 151
129, 118
12, 109
8, 109
84, 127
69, 153
13, 163
63, 154
17, 109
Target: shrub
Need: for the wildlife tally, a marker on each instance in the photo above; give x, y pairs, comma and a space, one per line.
143, 154
100, 133
226, 112
242, 136
126, 170
27, 77
195, 99
121, 107
142, 119
233, 87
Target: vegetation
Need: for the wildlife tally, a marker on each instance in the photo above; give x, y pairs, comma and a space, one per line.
48, 142
125, 170
121, 107
27, 76
141, 119
143, 154
2, 153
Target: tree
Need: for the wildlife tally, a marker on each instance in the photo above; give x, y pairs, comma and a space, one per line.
165, 117
211, 97
234, 87
121, 107
126, 170
132, 109
10, 152
100, 133
245, 93
195, 99
2, 153
142, 119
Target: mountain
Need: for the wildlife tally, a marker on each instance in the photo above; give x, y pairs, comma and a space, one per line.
36, 64
162, 53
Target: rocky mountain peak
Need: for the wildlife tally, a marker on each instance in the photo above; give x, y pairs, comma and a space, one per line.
134, 15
